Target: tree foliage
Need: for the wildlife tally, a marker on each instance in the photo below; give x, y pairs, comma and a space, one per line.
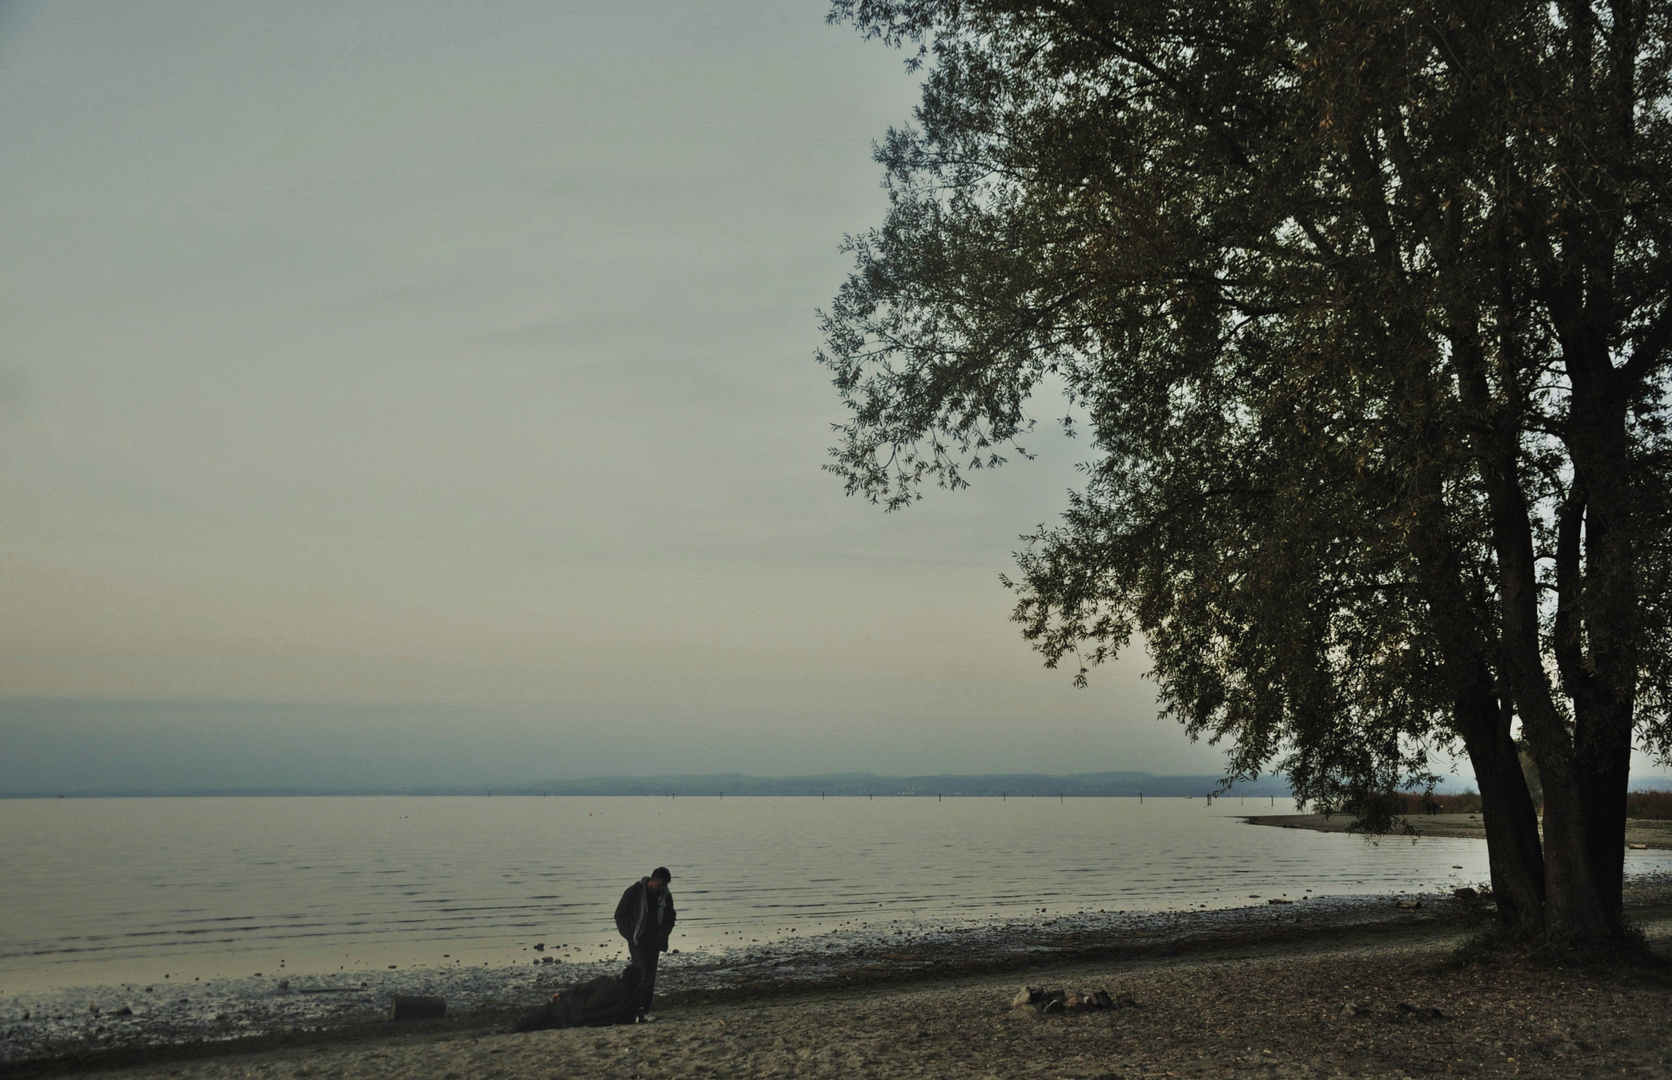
1366, 308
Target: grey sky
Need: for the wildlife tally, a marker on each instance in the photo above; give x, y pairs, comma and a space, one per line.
459, 358
446, 369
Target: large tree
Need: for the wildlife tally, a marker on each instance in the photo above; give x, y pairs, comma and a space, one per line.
1366, 308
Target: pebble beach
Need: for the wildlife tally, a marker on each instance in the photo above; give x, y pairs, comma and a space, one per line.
1347, 993
1269, 1015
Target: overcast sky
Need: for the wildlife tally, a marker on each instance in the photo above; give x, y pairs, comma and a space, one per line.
425, 393
449, 367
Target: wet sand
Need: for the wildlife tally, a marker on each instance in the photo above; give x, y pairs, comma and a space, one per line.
1264, 993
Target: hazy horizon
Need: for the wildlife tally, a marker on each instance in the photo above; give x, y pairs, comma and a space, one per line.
66, 745
379, 362
57, 746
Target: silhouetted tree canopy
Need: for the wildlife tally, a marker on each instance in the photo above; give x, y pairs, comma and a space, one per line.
1365, 311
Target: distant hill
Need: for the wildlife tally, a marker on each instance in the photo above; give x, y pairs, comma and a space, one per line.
833, 785
849, 784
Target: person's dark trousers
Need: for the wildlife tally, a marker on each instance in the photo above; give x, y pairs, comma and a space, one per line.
644, 957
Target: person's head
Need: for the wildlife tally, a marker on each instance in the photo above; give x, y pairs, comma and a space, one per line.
659, 879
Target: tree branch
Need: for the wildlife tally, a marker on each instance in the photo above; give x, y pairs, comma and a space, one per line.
1650, 352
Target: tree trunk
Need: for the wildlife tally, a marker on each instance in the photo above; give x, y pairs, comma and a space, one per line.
1594, 643
1507, 811
1603, 782
1598, 609
1574, 906
1480, 716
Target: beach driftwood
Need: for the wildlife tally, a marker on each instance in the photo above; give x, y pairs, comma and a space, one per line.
595, 1003
417, 1008
1045, 1001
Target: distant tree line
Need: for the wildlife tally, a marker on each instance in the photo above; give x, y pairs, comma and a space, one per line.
843, 785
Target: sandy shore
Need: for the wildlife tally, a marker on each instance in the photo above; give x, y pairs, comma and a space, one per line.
1266, 1015
127, 1023
1262, 1005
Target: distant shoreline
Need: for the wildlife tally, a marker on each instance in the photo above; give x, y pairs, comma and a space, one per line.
481, 794
1649, 832
737, 785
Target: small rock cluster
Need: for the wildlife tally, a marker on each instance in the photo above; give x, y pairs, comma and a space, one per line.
1037, 999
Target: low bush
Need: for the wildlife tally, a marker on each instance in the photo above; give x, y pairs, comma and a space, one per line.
1639, 804
1649, 804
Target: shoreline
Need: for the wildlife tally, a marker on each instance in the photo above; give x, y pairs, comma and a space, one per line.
1643, 833
1365, 989
879, 963
239, 1014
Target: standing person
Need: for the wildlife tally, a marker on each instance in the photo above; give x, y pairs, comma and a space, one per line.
645, 918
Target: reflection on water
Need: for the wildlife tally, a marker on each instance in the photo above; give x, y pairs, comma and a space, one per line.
107, 890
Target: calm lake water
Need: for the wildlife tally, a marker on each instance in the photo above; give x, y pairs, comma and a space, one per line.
102, 891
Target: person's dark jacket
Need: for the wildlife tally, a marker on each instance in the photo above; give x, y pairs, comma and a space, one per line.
598, 1002
630, 915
